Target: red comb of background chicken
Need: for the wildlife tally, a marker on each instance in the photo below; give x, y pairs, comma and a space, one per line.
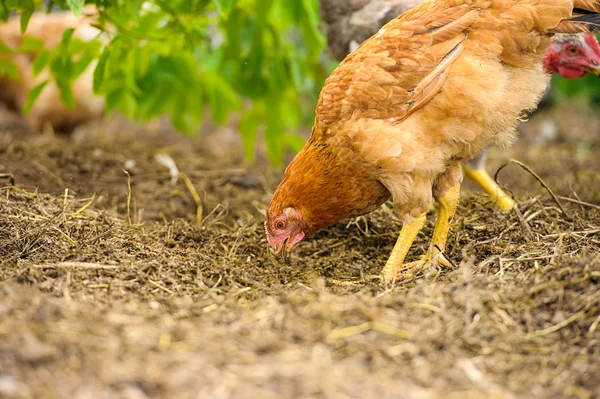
592, 42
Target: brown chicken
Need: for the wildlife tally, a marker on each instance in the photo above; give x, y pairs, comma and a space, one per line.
397, 117
48, 108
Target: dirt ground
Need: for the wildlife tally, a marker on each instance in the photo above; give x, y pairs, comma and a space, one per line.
130, 285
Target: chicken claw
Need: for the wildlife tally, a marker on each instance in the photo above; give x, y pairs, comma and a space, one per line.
485, 181
393, 270
410, 270
405, 239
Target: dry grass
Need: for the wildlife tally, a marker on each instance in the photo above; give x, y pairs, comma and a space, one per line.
128, 286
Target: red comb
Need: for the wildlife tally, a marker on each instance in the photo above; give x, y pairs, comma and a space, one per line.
593, 43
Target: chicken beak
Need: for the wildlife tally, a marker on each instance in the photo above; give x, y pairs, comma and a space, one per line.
283, 252
595, 69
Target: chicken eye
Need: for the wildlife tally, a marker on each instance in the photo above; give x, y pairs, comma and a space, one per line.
572, 50
280, 225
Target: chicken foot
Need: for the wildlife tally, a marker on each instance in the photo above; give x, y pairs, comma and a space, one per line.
395, 269
405, 239
485, 181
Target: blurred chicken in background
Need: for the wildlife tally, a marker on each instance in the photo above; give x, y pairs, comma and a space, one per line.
49, 112
350, 22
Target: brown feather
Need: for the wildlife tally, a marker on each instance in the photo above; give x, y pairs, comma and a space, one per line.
588, 5
442, 33
433, 82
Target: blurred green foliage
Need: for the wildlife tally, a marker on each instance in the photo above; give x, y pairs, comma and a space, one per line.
587, 88
258, 58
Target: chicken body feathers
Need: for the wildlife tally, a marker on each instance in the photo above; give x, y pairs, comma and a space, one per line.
382, 76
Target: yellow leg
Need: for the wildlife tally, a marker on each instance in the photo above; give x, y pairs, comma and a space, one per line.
448, 204
447, 208
485, 181
405, 239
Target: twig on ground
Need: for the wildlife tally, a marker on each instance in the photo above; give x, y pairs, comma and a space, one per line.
128, 196
162, 287
75, 265
578, 202
556, 327
195, 197
368, 326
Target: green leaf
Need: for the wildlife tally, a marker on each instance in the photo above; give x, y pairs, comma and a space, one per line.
64, 43
9, 69
62, 65
31, 44
67, 35
292, 10
4, 49
311, 8
157, 101
224, 6
222, 97
76, 6
100, 70
4, 11
248, 126
27, 8
32, 96
187, 114
295, 142
274, 132
233, 32
84, 54
182, 120
122, 100
113, 99
66, 93
42, 59
290, 111
310, 27
128, 105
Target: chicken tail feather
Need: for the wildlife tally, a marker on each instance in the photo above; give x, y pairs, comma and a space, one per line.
590, 21
586, 18
586, 6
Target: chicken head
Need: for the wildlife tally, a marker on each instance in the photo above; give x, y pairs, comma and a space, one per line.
573, 56
285, 231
